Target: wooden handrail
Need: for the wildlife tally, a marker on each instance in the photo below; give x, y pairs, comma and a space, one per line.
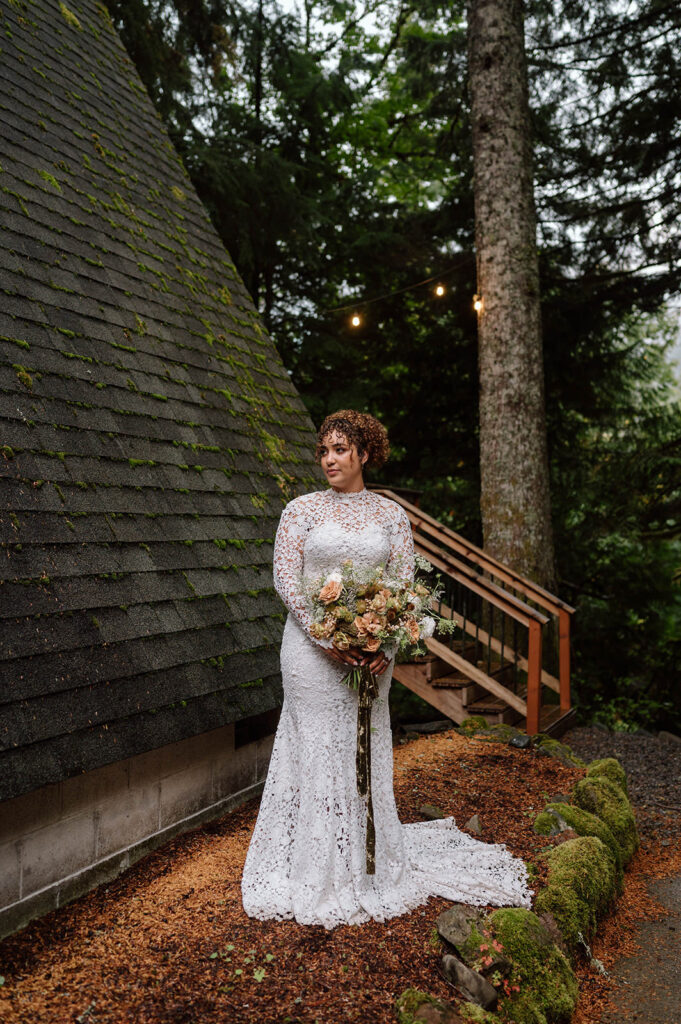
496, 645
421, 519
506, 602
440, 545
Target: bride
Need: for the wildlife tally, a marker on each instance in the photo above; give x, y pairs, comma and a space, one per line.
306, 859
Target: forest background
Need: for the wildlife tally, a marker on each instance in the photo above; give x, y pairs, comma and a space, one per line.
331, 144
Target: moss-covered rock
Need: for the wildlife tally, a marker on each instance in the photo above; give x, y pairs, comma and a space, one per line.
582, 883
547, 985
476, 1014
608, 801
502, 732
414, 1006
545, 824
554, 748
586, 824
611, 769
472, 724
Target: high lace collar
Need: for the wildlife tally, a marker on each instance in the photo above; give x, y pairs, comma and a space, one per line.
348, 496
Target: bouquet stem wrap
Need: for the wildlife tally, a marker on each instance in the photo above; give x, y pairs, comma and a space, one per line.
366, 684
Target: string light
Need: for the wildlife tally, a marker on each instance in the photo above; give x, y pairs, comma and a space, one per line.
356, 320
440, 290
477, 303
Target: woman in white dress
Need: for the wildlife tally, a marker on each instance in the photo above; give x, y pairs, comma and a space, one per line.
307, 856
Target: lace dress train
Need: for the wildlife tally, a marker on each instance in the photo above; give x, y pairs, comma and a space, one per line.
307, 858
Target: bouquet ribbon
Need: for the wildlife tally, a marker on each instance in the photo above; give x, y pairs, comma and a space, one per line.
365, 682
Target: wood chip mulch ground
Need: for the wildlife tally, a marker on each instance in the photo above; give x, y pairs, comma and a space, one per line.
168, 941
142, 948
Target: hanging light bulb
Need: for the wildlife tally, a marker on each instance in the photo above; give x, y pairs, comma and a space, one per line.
440, 290
355, 320
477, 303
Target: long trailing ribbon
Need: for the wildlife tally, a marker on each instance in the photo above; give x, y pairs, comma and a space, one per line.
366, 684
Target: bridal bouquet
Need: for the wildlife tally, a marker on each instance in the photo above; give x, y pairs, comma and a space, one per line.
368, 611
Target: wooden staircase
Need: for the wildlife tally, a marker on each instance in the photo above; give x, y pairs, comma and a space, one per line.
493, 663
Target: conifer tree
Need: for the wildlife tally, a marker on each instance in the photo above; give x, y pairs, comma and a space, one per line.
514, 471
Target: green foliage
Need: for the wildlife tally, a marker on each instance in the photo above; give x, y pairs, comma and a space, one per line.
333, 153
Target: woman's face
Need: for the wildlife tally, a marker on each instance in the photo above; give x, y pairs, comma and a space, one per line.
341, 464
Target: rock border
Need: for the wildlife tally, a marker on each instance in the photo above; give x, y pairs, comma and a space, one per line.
528, 956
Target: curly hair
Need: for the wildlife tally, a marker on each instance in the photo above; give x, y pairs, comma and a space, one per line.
357, 428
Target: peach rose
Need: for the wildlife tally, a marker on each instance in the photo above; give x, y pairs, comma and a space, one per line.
372, 644
359, 625
372, 622
331, 590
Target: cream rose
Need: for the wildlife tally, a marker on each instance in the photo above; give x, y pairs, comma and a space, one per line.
427, 627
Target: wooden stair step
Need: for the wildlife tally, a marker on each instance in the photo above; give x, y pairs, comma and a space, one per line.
494, 703
445, 700
554, 721
454, 681
484, 704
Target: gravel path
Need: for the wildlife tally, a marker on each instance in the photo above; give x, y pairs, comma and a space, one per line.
644, 987
653, 767
647, 984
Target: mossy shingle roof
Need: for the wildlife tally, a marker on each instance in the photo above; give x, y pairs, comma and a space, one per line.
149, 433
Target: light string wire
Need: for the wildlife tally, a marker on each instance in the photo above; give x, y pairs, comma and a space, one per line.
361, 303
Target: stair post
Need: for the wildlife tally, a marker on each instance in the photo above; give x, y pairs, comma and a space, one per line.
564, 656
533, 677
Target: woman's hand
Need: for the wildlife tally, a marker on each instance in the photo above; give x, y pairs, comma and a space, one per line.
355, 657
377, 663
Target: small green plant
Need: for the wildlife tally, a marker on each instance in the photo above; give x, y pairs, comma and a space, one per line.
45, 175
23, 375
489, 950
70, 18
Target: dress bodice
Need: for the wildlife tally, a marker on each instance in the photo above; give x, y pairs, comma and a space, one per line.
318, 531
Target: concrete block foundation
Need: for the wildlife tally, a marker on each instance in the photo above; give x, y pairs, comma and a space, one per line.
65, 839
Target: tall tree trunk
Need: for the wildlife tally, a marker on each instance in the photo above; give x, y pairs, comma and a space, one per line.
515, 499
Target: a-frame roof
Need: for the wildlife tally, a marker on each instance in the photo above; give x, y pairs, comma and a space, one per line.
149, 433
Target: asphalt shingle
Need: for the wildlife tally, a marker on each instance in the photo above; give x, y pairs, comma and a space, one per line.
139, 397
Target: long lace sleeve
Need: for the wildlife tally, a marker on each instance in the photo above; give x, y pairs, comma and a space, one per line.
288, 566
401, 558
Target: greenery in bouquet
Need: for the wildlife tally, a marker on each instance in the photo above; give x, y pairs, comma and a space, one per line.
367, 609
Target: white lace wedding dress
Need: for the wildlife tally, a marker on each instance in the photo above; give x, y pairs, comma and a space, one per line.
306, 859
